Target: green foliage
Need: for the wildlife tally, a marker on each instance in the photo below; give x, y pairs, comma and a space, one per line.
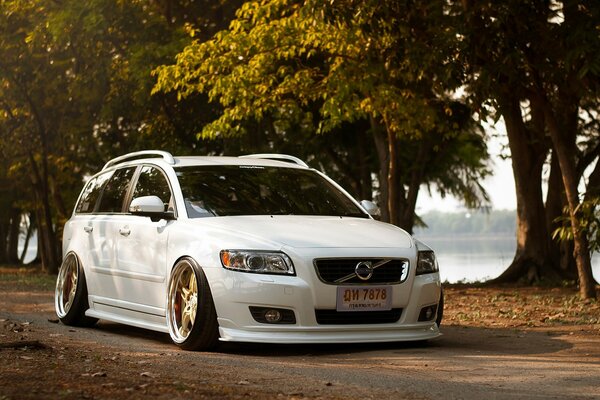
588, 215
304, 67
346, 60
75, 79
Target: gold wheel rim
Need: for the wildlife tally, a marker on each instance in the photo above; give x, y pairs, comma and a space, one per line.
183, 301
66, 285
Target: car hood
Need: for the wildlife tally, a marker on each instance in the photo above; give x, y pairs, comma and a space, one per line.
313, 231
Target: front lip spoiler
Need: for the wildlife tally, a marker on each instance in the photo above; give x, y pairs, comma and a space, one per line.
332, 334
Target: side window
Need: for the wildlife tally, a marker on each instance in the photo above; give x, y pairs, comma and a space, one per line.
152, 182
115, 191
91, 193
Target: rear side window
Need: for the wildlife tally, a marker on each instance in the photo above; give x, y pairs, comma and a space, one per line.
91, 193
115, 191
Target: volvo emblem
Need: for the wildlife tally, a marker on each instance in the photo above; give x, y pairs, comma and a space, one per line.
364, 270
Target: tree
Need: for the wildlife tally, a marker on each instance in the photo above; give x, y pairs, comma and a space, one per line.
337, 63
541, 57
75, 79
61, 64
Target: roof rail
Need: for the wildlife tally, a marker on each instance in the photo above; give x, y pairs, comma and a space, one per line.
165, 156
277, 157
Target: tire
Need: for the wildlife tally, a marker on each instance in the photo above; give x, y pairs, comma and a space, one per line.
191, 315
440, 310
71, 295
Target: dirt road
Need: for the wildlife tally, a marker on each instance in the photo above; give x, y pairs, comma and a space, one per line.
40, 358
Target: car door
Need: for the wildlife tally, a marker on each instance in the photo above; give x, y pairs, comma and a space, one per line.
79, 232
141, 246
101, 229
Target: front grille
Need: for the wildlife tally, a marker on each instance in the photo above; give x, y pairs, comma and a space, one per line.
333, 317
330, 270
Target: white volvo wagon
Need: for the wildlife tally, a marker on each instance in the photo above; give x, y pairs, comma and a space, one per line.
259, 248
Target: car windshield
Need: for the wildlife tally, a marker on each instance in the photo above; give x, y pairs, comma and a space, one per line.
255, 190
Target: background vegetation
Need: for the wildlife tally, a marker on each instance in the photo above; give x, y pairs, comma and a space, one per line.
475, 223
387, 97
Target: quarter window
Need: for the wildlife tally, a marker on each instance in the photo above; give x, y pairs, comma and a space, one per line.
115, 191
91, 193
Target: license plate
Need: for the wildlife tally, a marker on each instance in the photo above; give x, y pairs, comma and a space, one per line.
364, 298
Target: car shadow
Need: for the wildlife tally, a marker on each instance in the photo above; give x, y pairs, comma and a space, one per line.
455, 339
127, 331
461, 339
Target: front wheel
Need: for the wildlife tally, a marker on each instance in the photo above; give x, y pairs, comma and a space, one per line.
440, 310
70, 296
191, 315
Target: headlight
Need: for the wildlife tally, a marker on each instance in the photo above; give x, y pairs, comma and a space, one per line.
262, 262
426, 262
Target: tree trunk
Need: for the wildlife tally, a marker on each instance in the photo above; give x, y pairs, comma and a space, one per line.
417, 171
593, 186
566, 158
555, 203
366, 188
27, 239
532, 261
46, 234
13, 236
382, 156
4, 228
393, 180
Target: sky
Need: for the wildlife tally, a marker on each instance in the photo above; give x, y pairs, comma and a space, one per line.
500, 185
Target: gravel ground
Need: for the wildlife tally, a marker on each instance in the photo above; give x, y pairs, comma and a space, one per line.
498, 343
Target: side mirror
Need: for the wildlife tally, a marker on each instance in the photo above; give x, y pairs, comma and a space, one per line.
150, 206
371, 208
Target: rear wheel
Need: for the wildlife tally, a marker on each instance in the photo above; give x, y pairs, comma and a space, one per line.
191, 315
70, 296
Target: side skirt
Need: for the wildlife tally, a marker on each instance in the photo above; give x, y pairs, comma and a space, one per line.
129, 314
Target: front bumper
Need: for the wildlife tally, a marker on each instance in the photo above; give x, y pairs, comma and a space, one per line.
234, 292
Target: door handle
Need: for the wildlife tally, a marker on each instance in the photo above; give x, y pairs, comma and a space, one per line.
125, 231
88, 229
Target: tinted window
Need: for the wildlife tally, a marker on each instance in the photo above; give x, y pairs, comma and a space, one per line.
89, 197
152, 182
250, 190
115, 191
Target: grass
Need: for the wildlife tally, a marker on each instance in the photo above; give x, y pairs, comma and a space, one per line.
28, 278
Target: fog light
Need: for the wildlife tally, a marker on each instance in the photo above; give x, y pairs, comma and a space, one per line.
427, 313
268, 315
273, 316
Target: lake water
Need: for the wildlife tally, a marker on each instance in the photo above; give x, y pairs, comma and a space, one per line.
468, 259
